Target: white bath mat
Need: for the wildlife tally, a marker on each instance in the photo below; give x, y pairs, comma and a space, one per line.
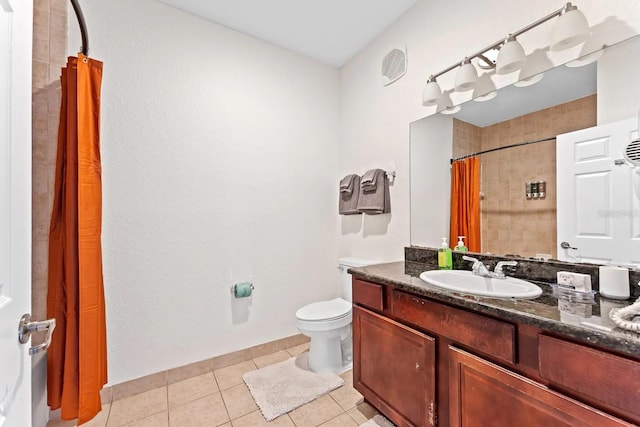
378, 421
282, 387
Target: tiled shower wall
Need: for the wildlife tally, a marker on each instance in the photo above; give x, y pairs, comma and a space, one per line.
511, 224
467, 139
49, 56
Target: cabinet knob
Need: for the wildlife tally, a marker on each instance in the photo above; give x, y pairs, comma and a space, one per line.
417, 366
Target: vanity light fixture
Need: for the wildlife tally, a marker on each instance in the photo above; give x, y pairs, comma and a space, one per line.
431, 93
569, 30
451, 110
586, 59
533, 70
529, 81
511, 56
445, 104
485, 88
466, 77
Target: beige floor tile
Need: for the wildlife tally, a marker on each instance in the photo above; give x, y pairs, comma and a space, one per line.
270, 359
192, 389
294, 351
232, 375
206, 411
256, 419
62, 423
347, 396
238, 401
362, 413
99, 420
343, 420
138, 407
347, 377
161, 419
316, 412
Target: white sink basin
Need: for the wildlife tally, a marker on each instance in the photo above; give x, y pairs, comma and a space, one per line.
464, 281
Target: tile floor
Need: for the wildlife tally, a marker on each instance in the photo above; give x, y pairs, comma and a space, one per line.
220, 398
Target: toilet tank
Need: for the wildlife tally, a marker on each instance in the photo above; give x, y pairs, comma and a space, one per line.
345, 278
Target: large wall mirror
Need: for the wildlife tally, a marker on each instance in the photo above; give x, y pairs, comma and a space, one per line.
568, 100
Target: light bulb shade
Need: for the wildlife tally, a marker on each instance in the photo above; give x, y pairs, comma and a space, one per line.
485, 89
585, 60
431, 94
466, 77
528, 81
511, 57
570, 30
486, 97
451, 109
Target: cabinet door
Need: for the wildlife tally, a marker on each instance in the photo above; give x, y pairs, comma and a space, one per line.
394, 368
484, 394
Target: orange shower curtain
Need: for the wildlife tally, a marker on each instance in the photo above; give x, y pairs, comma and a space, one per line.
77, 357
465, 202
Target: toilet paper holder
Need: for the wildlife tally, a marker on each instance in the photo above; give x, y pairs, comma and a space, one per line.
242, 290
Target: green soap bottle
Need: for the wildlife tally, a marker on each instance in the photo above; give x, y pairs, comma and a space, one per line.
460, 247
445, 261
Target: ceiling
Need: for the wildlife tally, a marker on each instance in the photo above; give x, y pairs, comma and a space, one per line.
331, 31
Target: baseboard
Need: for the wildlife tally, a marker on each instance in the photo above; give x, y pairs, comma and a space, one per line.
170, 376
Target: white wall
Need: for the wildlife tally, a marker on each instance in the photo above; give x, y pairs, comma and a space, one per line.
619, 82
221, 158
431, 140
375, 119
219, 166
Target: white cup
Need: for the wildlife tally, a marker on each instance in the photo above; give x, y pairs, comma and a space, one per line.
614, 282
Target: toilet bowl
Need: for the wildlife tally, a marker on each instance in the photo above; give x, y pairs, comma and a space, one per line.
328, 325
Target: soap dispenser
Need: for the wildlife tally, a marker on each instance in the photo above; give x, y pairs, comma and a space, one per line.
445, 261
460, 247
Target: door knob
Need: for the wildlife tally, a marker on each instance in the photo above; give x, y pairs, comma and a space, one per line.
566, 245
26, 327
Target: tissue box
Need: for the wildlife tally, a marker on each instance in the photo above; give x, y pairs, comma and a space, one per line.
578, 281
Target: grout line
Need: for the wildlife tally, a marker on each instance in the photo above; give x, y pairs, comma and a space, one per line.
106, 422
225, 410
216, 381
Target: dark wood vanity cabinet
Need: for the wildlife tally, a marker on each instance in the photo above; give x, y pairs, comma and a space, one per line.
484, 394
395, 368
424, 363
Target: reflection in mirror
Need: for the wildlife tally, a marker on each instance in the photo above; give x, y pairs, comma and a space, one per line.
565, 100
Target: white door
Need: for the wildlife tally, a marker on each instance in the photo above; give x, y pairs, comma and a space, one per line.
598, 212
15, 208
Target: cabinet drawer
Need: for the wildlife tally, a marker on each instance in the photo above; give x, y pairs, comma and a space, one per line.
484, 394
490, 336
367, 294
610, 379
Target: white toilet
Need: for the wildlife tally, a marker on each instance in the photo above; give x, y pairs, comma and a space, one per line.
328, 324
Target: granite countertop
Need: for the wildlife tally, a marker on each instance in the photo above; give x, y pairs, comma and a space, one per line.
560, 315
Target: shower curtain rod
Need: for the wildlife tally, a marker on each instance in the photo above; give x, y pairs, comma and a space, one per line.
83, 27
501, 148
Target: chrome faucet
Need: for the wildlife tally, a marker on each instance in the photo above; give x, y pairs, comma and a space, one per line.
498, 272
480, 269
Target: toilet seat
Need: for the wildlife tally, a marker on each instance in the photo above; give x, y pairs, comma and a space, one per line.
324, 311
